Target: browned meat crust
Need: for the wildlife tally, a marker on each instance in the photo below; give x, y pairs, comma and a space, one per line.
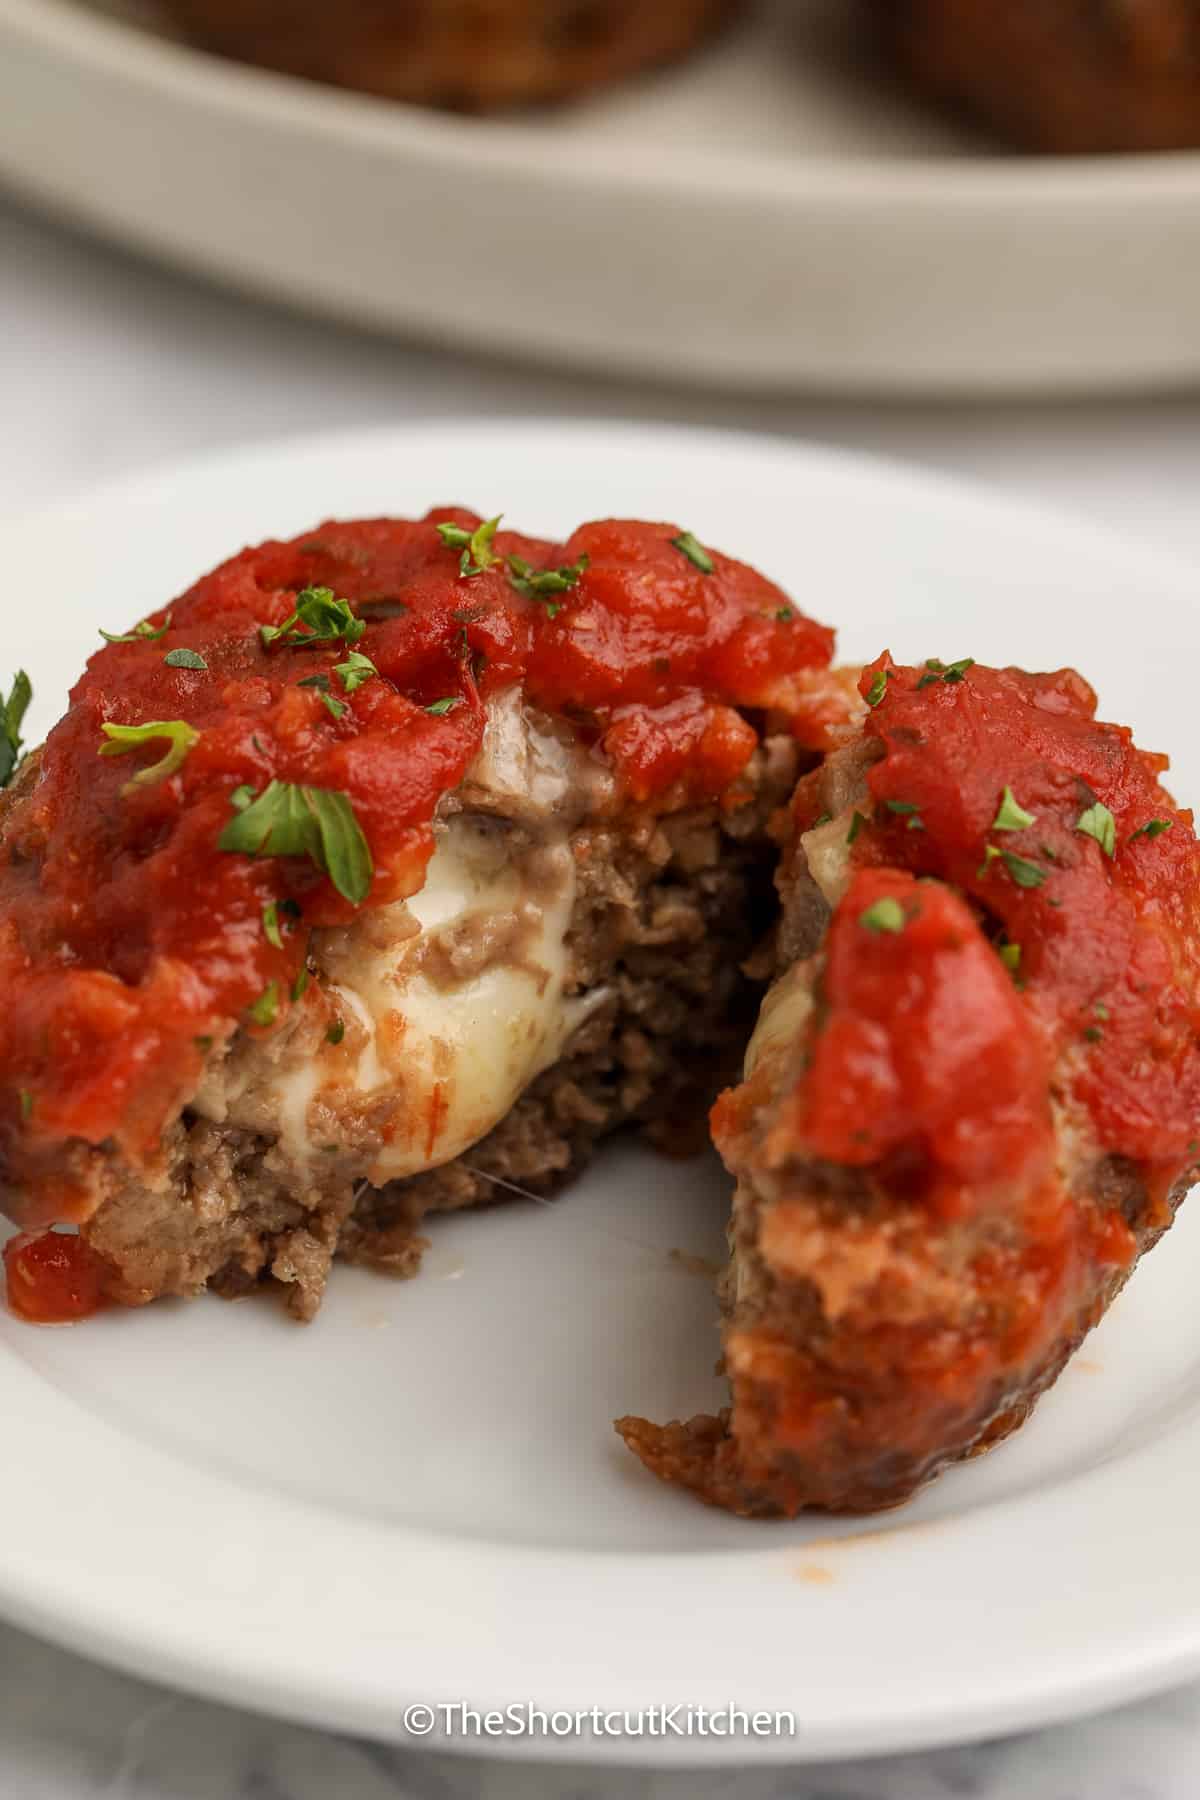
475, 55
1060, 75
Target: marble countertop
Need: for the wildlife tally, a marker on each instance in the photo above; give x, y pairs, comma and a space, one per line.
109, 365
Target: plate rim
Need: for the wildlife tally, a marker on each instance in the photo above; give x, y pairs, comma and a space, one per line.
1123, 1673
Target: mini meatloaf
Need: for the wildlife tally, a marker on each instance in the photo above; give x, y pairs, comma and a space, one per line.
1060, 75
382, 873
475, 55
972, 1100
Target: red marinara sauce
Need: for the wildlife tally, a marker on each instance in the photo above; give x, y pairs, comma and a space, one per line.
129, 940
1085, 878
53, 1278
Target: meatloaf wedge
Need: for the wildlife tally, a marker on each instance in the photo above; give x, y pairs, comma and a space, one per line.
973, 1097
382, 873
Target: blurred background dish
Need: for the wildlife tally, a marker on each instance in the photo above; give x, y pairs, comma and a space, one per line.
1064, 75
459, 53
767, 213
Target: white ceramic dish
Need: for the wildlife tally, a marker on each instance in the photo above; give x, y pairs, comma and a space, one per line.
759, 217
419, 1498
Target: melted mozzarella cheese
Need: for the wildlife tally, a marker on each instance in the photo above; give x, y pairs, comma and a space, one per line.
461, 1050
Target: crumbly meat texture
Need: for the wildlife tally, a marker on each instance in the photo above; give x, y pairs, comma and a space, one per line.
667, 912
474, 55
870, 1339
1058, 75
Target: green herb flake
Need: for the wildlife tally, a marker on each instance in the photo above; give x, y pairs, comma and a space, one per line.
785, 615
902, 806
1097, 822
354, 671
1026, 874
265, 1010
927, 681
1010, 956
300, 985
180, 737
184, 659
690, 546
856, 824
271, 924
287, 820
1100, 1010
334, 706
203, 1045
319, 618
545, 584
440, 708
1152, 829
956, 671
26, 1105
1093, 1034
12, 717
1011, 815
336, 1032
145, 633
241, 797
886, 915
476, 545
825, 819
878, 687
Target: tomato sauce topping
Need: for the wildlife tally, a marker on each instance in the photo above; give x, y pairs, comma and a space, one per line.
130, 939
1085, 877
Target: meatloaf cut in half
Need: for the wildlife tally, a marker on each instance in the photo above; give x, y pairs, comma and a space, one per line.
384, 872
973, 1097
474, 55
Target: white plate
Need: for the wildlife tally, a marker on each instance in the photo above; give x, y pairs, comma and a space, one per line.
419, 1498
759, 216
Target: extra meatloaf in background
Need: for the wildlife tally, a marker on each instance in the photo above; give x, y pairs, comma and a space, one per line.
1058, 75
473, 55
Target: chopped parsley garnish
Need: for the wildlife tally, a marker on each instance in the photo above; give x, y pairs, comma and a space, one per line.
878, 687
324, 619
335, 706
271, 916
300, 985
476, 546
266, 1008
336, 1032
1097, 822
690, 546
26, 1105
12, 717
856, 824
184, 659
203, 1045
785, 615
287, 820
1100, 1010
902, 806
1026, 874
940, 671
145, 633
886, 915
1010, 956
1152, 829
1011, 815
1093, 1034
544, 584
354, 671
180, 737
441, 707
825, 819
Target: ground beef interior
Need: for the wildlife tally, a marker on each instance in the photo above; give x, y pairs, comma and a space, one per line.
668, 915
